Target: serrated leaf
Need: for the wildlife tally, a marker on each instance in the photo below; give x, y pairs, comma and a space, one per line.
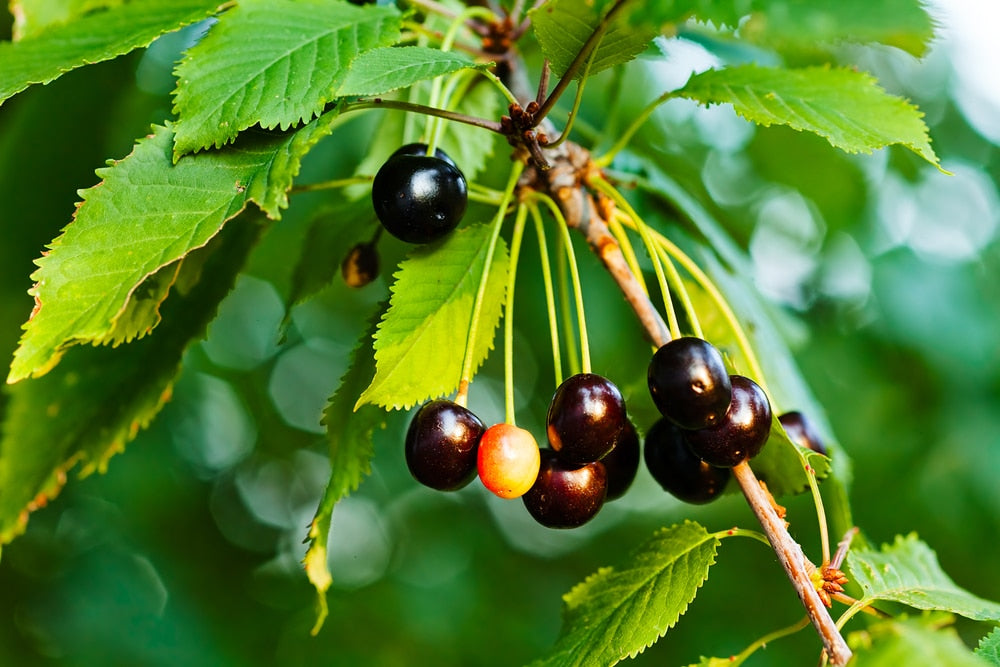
349, 434
617, 613
332, 233
712, 662
915, 642
845, 106
907, 571
93, 38
146, 214
389, 68
31, 17
989, 648
795, 24
562, 27
276, 63
98, 399
420, 342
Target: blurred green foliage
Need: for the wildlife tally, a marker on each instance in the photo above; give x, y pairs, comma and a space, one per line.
187, 551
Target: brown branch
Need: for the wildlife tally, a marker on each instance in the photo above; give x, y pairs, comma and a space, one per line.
565, 183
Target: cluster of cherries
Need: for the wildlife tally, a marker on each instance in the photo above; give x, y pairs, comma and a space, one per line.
711, 420
593, 455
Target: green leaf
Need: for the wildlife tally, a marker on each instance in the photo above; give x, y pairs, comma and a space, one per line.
617, 613
796, 24
562, 27
96, 401
95, 37
989, 648
349, 434
915, 642
145, 215
31, 17
272, 62
333, 232
421, 339
389, 68
908, 572
845, 106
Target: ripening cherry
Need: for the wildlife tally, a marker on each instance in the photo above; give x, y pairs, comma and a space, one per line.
508, 460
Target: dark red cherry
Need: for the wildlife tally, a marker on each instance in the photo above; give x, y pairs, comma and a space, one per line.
678, 470
441, 445
565, 495
421, 149
586, 418
802, 432
743, 430
689, 382
622, 462
419, 198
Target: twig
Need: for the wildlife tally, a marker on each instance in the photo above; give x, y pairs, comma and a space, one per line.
564, 183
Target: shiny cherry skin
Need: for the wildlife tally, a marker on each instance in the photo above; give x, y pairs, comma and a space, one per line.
742, 432
677, 469
802, 432
622, 462
421, 149
360, 266
508, 460
565, 495
419, 198
586, 418
689, 382
441, 445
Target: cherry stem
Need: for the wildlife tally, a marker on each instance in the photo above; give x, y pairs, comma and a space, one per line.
574, 272
794, 563
767, 639
824, 531
508, 325
626, 136
508, 195
618, 231
788, 551
574, 67
379, 103
550, 303
331, 185
565, 309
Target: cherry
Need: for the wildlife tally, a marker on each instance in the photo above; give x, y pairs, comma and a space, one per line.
419, 198
421, 149
586, 418
508, 460
742, 432
622, 462
565, 495
689, 382
672, 464
441, 445
360, 266
802, 432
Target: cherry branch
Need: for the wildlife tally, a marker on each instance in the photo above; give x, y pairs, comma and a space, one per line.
565, 183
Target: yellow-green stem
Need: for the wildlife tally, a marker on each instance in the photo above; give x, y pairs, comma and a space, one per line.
508, 195
508, 325
550, 304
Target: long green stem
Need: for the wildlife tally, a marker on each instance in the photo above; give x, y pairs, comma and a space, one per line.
550, 304
574, 273
508, 195
565, 307
508, 325
332, 185
767, 639
628, 252
379, 103
744, 532
626, 136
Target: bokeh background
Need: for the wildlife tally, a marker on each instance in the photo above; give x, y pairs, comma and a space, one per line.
884, 275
